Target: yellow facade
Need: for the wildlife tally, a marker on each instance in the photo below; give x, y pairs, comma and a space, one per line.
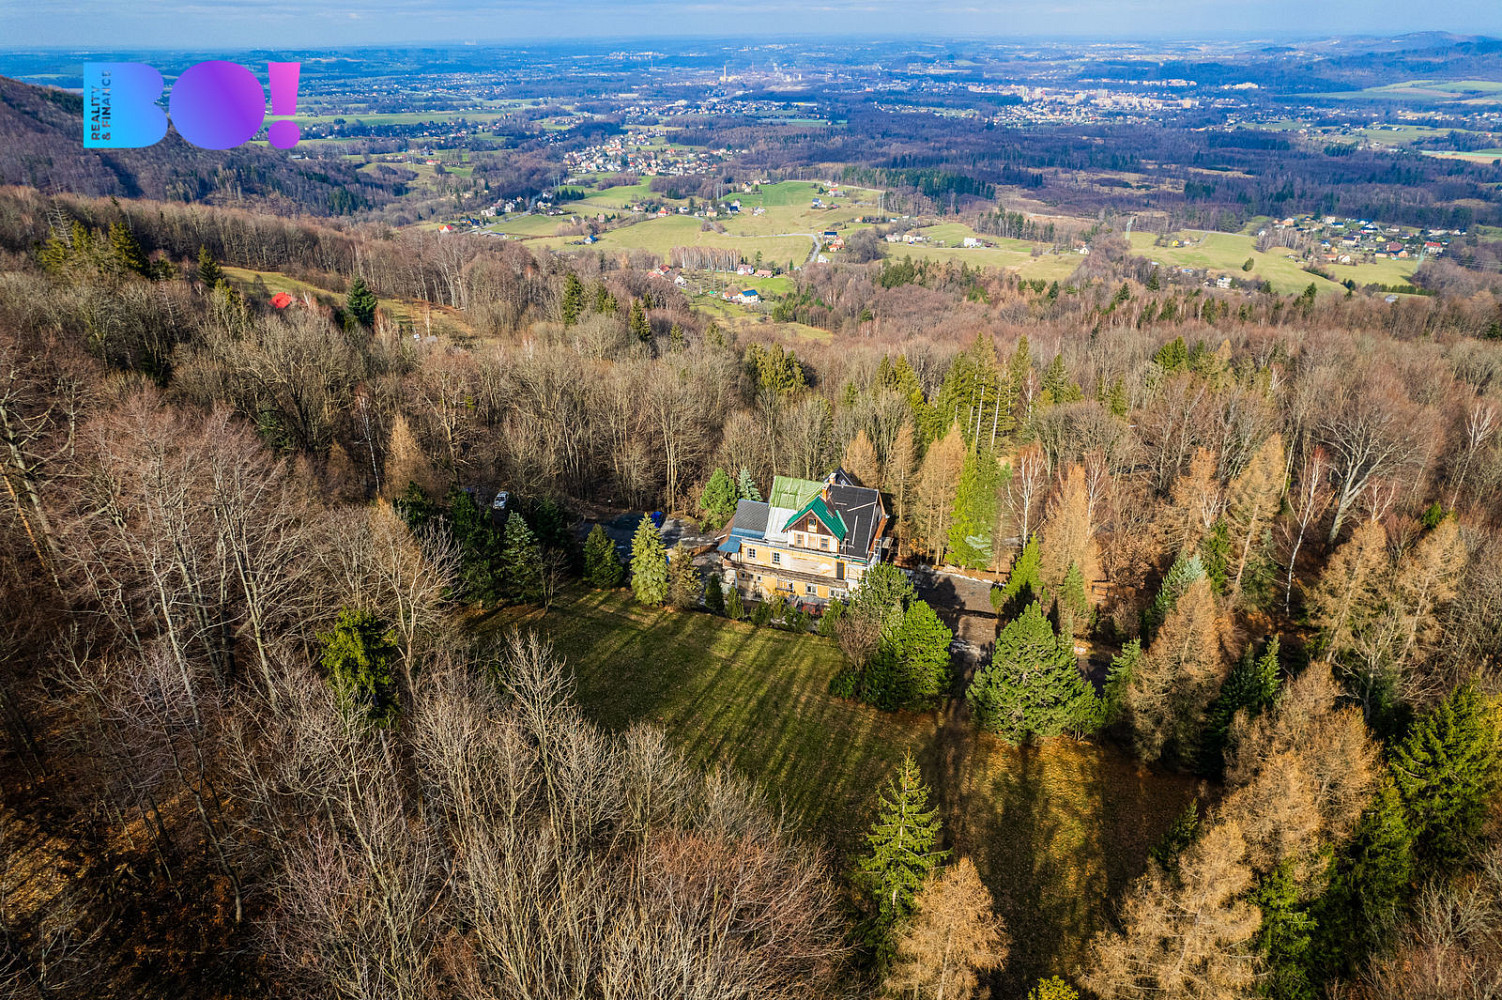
766, 570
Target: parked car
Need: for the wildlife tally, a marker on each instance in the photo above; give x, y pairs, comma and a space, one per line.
501, 500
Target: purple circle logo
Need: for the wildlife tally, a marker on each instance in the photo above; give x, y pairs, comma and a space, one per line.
217, 105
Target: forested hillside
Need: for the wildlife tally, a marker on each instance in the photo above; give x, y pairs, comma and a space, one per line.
39, 147
261, 737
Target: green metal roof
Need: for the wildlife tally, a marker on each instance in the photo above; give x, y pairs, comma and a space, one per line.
817, 507
794, 493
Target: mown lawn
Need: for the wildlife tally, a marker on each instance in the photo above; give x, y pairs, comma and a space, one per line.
1057, 831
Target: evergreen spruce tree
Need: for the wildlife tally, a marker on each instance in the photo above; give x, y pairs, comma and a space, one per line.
1286, 937
602, 568
1024, 584
684, 581
641, 328
414, 506
1251, 685
1370, 885
717, 500
974, 510
1073, 603
714, 595
521, 562
903, 855
1053, 988
1446, 772
649, 566
911, 669
357, 658
1033, 686
125, 252
361, 302
604, 302
209, 271
735, 608
1184, 571
573, 299
1118, 679
883, 596
745, 487
480, 549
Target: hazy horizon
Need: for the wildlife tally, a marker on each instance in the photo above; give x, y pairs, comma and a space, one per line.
280, 24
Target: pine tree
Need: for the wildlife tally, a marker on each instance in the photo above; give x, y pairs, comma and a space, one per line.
209, 271
911, 669
1056, 385
1370, 884
1033, 686
974, 510
735, 608
1073, 603
604, 302
125, 253
640, 327
1252, 686
649, 568
1118, 679
717, 499
1053, 988
883, 596
1117, 400
602, 568
1024, 584
1286, 937
745, 487
521, 561
1185, 570
360, 302
684, 581
481, 549
357, 658
1446, 772
903, 842
714, 595
573, 299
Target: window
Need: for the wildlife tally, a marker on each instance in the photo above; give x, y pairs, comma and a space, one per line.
776, 558
810, 589
750, 553
798, 539
824, 543
839, 571
838, 595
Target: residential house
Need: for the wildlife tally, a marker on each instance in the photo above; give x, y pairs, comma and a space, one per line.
810, 542
748, 297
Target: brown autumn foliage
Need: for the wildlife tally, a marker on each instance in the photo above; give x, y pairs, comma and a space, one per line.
953, 936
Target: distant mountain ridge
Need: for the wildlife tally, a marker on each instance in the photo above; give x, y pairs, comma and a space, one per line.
41, 145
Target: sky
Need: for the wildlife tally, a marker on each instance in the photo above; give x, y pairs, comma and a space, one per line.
190, 24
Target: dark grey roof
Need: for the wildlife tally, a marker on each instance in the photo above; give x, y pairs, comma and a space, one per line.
750, 518
861, 508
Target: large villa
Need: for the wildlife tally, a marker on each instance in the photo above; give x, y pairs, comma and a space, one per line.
809, 542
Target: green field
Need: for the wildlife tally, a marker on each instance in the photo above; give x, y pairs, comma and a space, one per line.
1226, 252
661, 235
1057, 831
1428, 91
419, 316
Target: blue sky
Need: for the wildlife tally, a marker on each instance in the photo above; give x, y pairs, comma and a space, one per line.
304, 23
